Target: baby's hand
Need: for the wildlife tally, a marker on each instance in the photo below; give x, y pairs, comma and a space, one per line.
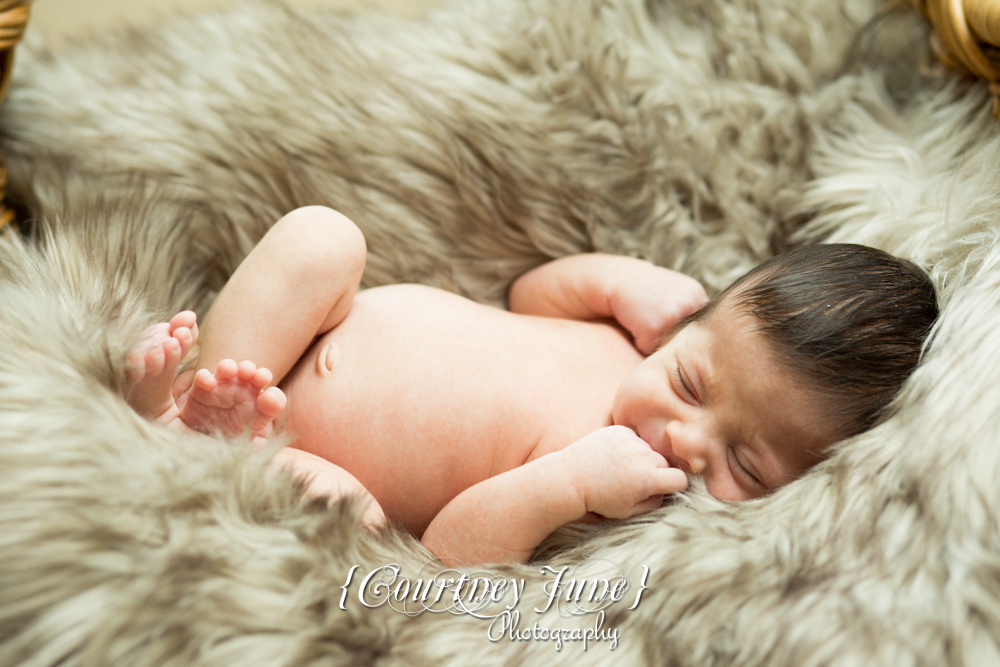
651, 300
618, 475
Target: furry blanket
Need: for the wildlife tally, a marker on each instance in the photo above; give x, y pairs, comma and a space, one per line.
471, 145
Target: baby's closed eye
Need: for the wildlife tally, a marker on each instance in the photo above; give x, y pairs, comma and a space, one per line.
742, 472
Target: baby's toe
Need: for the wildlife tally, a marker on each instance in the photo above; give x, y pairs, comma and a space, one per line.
153, 335
155, 361
184, 336
134, 375
135, 365
172, 355
261, 378
185, 318
204, 380
271, 402
226, 370
246, 370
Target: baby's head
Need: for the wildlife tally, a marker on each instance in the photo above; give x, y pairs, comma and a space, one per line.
805, 350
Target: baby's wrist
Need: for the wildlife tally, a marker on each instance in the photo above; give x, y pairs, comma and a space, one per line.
568, 475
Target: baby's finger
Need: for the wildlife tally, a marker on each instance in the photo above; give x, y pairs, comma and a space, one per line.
669, 480
646, 344
661, 461
647, 505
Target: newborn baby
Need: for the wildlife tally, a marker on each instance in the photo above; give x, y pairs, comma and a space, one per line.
482, 430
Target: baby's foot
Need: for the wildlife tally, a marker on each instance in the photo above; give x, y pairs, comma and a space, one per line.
152, 365
232, 400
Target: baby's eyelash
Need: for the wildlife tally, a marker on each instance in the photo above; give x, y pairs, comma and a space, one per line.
746, 473
683, 384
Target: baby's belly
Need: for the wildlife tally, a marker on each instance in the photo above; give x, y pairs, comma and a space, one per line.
420, 394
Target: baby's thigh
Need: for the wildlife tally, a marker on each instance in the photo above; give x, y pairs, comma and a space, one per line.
327, 480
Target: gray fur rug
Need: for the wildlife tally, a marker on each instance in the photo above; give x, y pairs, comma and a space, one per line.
471, 145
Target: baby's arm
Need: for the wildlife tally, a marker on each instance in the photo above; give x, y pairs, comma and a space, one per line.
644, 298
611, 472
296, 284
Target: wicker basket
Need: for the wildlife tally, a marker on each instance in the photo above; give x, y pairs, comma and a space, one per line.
13, 20
967, 37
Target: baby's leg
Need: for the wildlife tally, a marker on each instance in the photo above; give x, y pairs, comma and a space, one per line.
326, 479
297, 283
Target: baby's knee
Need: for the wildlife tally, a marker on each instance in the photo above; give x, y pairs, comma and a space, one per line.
321, 237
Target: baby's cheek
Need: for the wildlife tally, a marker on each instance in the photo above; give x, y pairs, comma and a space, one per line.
621, 411
636, 408
723, 486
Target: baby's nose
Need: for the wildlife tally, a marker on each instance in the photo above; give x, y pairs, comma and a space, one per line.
685, 452
696, 464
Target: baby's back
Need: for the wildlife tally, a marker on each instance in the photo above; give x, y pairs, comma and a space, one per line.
420, 393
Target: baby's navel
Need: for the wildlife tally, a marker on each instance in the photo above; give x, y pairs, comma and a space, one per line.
328, 359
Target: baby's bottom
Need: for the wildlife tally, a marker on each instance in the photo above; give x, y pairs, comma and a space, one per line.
325, 479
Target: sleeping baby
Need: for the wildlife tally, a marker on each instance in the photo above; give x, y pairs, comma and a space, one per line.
605, 385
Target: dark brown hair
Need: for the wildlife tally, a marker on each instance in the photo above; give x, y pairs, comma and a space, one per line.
850, 321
